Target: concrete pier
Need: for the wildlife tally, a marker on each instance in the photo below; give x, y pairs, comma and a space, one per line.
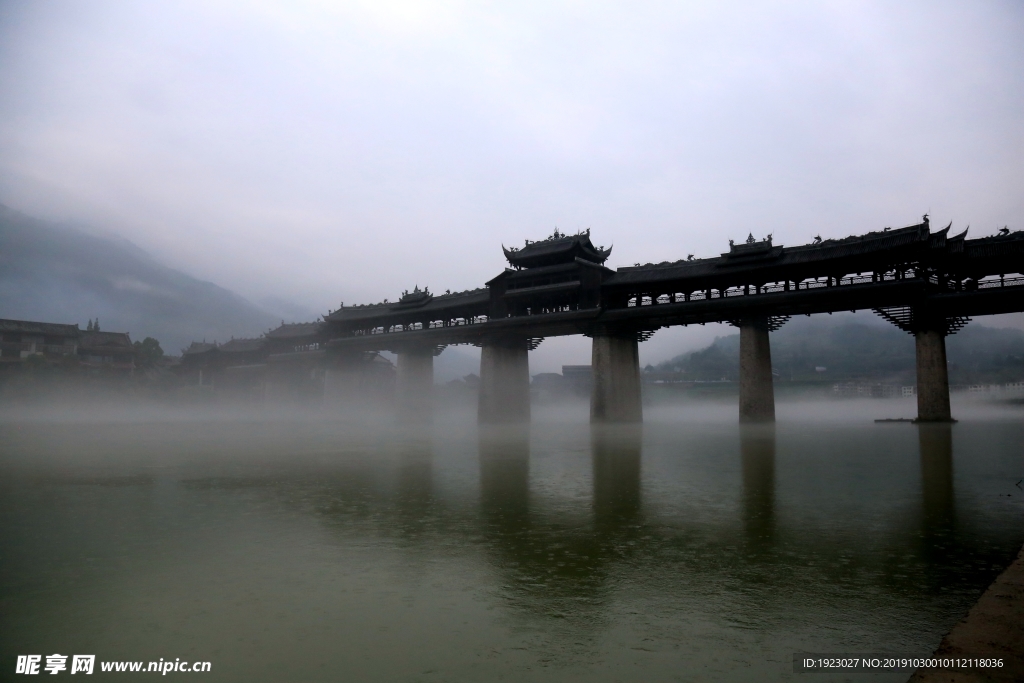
932, 377
616, 367
415, 385
757, 392
358, 383
504, 383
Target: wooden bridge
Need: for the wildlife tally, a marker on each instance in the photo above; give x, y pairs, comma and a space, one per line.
927, 283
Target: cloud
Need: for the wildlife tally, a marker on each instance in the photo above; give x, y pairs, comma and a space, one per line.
321, 151
130, 284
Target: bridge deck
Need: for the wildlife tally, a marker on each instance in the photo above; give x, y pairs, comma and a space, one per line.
854, 295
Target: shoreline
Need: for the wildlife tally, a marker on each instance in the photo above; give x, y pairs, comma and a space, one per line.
993, 627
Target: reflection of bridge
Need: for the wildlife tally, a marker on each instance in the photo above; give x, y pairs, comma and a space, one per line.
548, 545
927, 283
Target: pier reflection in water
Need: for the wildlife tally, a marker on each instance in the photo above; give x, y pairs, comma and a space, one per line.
757, 452
937, 500
505, 477
546, 552
616, 452
415, 483
552, 567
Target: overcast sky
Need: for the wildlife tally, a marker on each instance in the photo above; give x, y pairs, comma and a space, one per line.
321, 152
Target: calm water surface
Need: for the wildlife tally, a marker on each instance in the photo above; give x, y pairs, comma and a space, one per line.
306, 549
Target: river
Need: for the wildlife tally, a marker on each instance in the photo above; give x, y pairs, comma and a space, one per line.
312, 548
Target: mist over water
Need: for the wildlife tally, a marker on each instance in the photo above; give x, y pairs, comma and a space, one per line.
197, 172
300, 544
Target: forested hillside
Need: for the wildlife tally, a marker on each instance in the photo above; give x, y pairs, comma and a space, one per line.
55, 273
857, 350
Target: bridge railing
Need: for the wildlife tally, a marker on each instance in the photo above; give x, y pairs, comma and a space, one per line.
395, 329
771, 287
1001, 281
457, 322
816, 283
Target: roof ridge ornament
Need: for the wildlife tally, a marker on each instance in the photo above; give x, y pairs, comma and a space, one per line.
752, 248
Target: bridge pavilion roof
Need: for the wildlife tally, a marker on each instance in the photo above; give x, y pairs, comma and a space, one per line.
555, 250
1007, 245
243, 345
198, 348
290, 331
884, 244
420, 304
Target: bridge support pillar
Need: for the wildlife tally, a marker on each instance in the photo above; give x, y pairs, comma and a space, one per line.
504, 383
355, 382
757, 392
415, 384
932, 377
341, 380
615, 363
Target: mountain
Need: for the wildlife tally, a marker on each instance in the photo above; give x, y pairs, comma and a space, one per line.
854, 350
55, 273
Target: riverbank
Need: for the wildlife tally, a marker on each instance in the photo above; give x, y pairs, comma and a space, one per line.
994, 628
